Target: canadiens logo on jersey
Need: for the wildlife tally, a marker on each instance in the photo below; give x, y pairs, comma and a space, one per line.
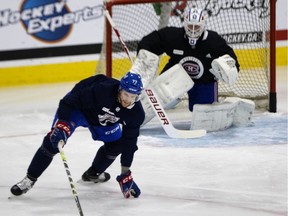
107, 117
192, 66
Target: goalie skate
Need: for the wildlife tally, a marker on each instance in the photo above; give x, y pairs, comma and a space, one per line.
91, 176
22, 186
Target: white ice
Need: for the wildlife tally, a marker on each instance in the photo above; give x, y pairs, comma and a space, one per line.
237, 172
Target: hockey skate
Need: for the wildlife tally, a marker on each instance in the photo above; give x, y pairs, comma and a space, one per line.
91, 176
22, 186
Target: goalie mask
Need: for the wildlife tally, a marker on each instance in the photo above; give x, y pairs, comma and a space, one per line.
194, 24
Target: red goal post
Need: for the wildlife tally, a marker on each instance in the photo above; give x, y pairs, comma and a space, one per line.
249, 29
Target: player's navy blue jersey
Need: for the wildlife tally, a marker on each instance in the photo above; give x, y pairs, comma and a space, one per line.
196, 61
97, 98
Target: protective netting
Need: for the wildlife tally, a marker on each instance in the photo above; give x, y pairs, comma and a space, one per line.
245, 25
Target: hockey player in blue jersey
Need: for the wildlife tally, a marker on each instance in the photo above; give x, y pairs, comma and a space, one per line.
112, 112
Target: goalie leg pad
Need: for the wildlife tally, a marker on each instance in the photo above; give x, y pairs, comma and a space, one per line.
243, 111
169, 86
220, 116
146, 64
212, 117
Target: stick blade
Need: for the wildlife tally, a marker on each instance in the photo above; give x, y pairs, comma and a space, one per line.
185, 134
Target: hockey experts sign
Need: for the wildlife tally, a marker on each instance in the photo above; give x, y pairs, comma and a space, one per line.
48, 20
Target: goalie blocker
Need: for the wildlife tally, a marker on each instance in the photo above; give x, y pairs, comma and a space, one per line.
169, 86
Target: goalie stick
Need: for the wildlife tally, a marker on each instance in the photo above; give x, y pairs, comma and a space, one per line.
63, 157
153, 100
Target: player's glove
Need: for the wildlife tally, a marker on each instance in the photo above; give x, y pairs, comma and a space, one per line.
128, 186
61, 131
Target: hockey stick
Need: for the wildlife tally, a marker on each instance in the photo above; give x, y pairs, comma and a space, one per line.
63, 157
153, 99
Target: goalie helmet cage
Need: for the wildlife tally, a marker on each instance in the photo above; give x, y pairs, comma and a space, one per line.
248, 29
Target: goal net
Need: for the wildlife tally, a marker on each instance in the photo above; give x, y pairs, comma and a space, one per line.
245, 25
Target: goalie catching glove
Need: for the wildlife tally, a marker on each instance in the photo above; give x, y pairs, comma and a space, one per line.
224, 69
127, 185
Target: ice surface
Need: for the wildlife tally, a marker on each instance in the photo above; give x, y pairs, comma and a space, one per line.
237, 172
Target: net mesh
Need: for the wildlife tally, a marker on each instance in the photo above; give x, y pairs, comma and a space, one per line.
243, 24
